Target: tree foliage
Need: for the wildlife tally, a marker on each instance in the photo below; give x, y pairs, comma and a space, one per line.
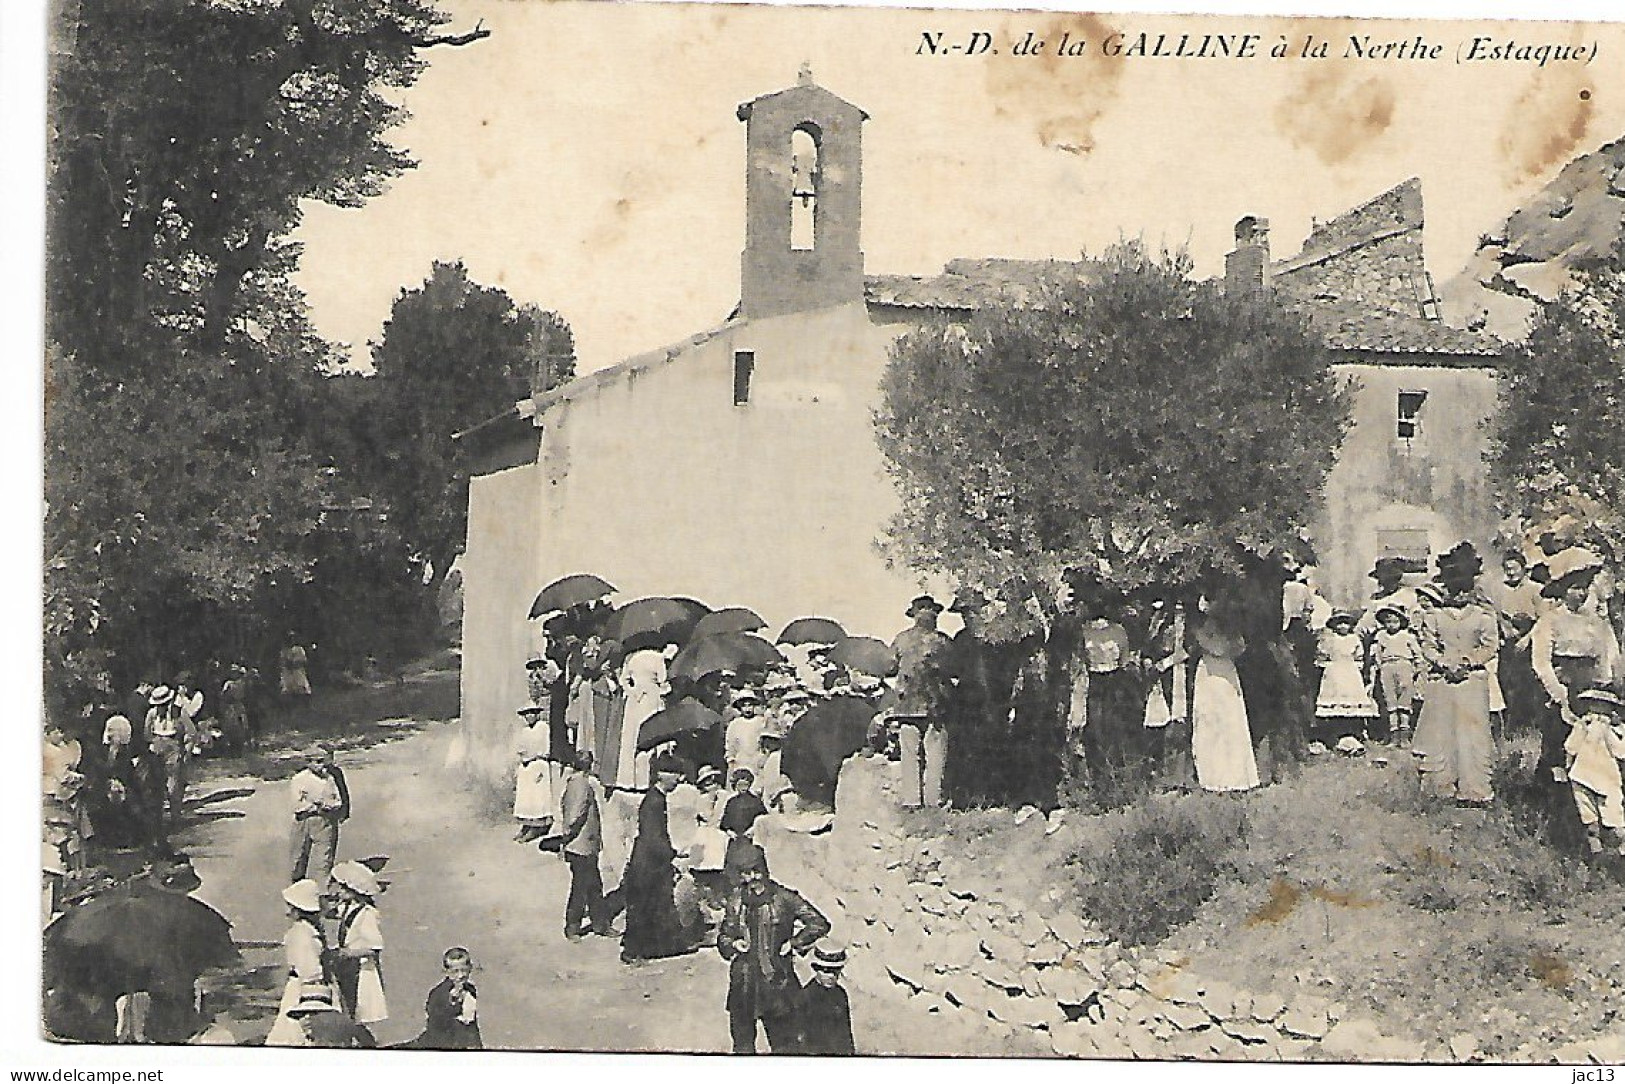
185, 428
1133, 427
1558, 448
453, 354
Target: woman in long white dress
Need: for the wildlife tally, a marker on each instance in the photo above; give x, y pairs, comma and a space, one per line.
535, 798
1221, 740
644, 679
302, 945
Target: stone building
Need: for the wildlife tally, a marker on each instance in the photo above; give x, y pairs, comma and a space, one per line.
739, 466
1410, 479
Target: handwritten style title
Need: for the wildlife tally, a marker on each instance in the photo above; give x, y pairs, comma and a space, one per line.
1246, 46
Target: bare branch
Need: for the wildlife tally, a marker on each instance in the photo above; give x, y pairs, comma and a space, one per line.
472, 36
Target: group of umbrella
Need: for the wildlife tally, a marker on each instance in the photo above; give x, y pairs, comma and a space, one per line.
710, 657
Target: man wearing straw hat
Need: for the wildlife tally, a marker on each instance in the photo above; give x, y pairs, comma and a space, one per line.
171, 735
324, 1024
921, 736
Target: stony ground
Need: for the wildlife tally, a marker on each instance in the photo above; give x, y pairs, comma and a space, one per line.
1361, 924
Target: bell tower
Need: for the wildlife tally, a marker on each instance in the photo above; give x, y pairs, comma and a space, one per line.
803, 201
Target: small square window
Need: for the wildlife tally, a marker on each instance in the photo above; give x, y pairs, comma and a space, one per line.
1408, 414
744, 366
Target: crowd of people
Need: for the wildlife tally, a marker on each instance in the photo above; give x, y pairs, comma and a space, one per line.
631, 763
116, 778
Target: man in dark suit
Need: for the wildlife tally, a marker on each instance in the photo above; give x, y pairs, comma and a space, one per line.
764, 925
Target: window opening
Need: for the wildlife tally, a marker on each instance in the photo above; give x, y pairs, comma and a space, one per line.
804, 180
1408, 414
744, 365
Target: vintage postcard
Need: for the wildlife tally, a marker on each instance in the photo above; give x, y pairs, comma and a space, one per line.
625, 527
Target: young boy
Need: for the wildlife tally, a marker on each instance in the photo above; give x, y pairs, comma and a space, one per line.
1595, 746
1397, 656
826, 1015
452, 1023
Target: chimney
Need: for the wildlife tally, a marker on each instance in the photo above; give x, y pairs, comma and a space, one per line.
1247, 268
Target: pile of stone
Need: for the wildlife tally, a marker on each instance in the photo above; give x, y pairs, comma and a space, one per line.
1004, 976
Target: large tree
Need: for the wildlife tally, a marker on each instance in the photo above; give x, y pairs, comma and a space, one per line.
1559, 443
453, 354
183, 441
1130, 429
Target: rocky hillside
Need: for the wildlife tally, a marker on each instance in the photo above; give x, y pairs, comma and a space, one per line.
1581, 213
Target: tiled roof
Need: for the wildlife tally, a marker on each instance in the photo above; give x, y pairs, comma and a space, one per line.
965, 285
1350, 325
1396, 211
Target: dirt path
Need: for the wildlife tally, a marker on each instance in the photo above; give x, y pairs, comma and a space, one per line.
458, 879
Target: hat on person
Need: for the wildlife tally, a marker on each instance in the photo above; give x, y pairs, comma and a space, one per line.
1397, 611
828, 956
1430, 592
746, 695
1569, 568
314, 997
754, 859
666, 764
1462, 557
796, 692
304, 895
1601, 695
1346, 617
160, 696
923, 602
117, 728
708, 774
532, 709
535, 662
357, 878
1388, 566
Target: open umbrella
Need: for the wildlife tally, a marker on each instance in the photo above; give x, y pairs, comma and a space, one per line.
864, 653
732, 651
732, 619
820, 740
651, 622
137, 938
812, 630
687, 716
570, 591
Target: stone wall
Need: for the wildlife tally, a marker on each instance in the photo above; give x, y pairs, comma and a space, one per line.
936, 968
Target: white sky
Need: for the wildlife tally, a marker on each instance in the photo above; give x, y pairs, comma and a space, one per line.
586, 157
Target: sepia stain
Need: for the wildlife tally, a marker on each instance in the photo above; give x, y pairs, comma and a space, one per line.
1336, 113
1547, 122
1064, 97
1284, 898
1341, 899
1552, 972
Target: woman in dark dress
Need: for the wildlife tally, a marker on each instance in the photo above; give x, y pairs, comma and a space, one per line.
653, 927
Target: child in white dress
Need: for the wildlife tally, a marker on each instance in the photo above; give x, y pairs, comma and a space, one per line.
1344, 707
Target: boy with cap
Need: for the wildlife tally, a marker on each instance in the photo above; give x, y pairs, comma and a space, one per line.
1595, 746
826, 1014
